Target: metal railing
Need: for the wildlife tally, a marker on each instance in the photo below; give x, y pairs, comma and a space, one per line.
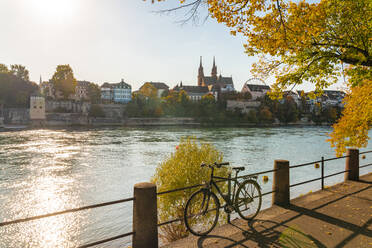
72, 210
321, 161
322, 177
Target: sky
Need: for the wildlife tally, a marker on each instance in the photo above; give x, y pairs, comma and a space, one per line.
110, 40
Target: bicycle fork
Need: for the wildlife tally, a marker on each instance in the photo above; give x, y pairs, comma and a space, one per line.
205, 195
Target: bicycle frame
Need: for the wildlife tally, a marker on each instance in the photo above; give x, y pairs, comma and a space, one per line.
229, 199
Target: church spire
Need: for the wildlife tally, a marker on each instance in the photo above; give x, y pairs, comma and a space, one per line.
40, 81
201, 73
214, 69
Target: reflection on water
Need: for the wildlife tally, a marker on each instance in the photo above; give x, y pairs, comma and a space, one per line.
43, 171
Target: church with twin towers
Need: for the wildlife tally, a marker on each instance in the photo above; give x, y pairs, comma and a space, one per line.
214, 82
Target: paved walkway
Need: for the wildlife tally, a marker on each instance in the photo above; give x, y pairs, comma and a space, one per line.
339, 216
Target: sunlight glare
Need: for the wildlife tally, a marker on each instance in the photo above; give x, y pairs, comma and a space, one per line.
54, 8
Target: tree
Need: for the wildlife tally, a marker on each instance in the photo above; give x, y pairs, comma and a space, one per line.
64, 81
352, 129
183, 169
148, 90
20, 71
288, 111
3, 68
14, 91
96, 111
94, 93
265, 115
302, 41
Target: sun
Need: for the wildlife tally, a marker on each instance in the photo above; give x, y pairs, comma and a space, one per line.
54, 8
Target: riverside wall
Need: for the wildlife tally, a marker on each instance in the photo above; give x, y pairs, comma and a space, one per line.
16, 116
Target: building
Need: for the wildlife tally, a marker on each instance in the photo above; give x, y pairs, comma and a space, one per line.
82, 90
334, 98
292, 94
37, 107
122, 92
219, 83
47, 90
243, 106
256, 90
116, 92
160, 87
194, 92
107, 92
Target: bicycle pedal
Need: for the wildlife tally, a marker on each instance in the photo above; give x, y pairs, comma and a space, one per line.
228, 209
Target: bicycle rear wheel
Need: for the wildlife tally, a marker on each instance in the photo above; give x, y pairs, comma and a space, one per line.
201, 212
248, 199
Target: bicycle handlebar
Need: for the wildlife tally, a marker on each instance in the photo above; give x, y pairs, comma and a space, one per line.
215, 164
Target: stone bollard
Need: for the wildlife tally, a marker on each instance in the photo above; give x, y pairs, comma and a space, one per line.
352, 164
281, 183
145, 216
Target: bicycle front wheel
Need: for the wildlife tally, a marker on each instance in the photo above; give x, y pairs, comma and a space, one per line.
248, 199
201, 212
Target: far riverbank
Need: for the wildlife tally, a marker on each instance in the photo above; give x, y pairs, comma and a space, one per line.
76, 120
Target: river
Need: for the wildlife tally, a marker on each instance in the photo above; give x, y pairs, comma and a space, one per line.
43, 171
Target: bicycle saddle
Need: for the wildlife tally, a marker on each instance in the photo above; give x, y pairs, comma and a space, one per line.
238, 168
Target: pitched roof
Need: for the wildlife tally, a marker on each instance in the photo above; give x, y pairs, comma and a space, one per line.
290, 93
83, 83
334, 94
107, 85
193, 89
122, 84
224, 80
159, 85
220, 80
257, 87
209, 80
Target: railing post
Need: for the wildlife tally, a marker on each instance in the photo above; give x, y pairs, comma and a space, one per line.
352, 165
281, 183
229, 192
322, 164
145, 216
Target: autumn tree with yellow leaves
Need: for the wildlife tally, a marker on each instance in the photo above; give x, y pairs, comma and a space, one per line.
302, 41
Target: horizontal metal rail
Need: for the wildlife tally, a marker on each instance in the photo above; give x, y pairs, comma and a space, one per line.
256, 174
301, 165
106, 240
268, 193
308, 181
65, 211
318, 161
365, 152
218, 181
179, 189
179, 219
335, 174
169, 222
366, 165
329, 159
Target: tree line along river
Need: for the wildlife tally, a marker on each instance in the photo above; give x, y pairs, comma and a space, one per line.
43, 171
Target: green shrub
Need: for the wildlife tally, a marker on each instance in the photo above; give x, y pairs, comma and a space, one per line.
96, 111
183, 169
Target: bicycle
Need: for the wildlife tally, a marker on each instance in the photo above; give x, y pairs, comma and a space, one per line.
202, 208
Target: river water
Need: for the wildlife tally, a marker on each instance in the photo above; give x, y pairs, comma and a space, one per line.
43, 171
